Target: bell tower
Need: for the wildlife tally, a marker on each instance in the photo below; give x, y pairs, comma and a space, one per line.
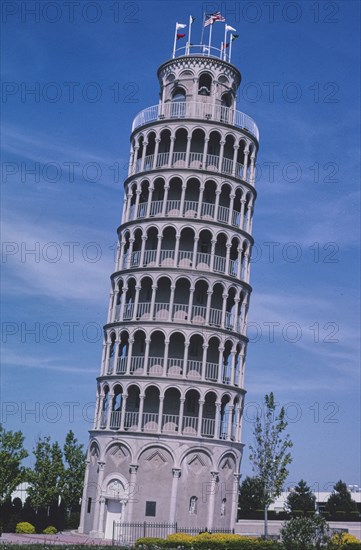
166, 445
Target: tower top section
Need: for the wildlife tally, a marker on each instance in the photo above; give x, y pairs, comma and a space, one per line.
205, 47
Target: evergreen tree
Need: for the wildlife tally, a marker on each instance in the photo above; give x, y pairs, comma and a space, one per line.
12, 453
45, 478
340, 500
251, 495
73, 478
301, 498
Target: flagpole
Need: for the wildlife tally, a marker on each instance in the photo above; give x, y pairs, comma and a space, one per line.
210, 39
220, 55
230, 48
204, 20
189, 35
175, 40
225, 42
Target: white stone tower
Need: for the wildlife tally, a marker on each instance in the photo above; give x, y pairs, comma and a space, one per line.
166, 442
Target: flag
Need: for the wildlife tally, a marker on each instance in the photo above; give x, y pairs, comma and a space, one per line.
179, 35
229, 28
180, 26
234, 37
216, 16
224, 46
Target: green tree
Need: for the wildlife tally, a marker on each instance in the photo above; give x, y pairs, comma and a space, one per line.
340, 500
45, 479
270, 454
73, 477
301, 498
12, 453
305, 533
251, 495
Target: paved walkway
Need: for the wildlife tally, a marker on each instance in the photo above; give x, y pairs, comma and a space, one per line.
67, 537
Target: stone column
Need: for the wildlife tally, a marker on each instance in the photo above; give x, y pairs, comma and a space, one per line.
229, 423
221, 153
216, 204
145, 143
133, 489
235, 156
156, 149
152, 303
124, 408
173, 497
204, 361
109, 411
171, 302
245, 165
150, 198
140, 414
159, 247
165, 199
136, 206
241, 216
165, 359
97, 525
185, 360
136, 301
194, 252
84, 498
232, 196
142, 250
200, 201
212, 496
189, 140
190, 304
101, 517
176, 250
146, 356
234, 501
181, 414
129, 358
160, 413
200, 416
217, 420
171, 149
208, 307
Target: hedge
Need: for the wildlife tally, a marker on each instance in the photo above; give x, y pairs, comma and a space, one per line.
206, 541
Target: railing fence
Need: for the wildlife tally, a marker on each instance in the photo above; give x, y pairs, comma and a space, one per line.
129, 532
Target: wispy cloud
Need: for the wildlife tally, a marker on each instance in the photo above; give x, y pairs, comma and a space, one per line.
74, 276
51, 363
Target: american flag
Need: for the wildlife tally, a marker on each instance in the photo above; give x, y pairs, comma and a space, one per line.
211, 18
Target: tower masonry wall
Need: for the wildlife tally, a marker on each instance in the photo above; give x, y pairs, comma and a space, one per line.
166, 444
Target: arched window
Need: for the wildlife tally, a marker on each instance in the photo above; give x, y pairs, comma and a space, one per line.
205, 84
193, 505
178, 95
178, 103
223, 507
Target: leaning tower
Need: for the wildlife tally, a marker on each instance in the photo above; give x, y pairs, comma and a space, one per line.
166, 443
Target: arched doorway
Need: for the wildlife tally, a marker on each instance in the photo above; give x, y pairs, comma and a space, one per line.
115, 500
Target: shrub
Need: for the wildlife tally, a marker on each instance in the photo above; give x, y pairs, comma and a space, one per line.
343, 540
50, 530
25, 528
206, 541
305, 533
150, 543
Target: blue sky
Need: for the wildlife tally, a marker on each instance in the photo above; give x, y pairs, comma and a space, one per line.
64, 150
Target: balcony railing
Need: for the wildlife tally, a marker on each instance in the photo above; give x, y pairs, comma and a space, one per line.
196, 110
161, 311
179, 160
